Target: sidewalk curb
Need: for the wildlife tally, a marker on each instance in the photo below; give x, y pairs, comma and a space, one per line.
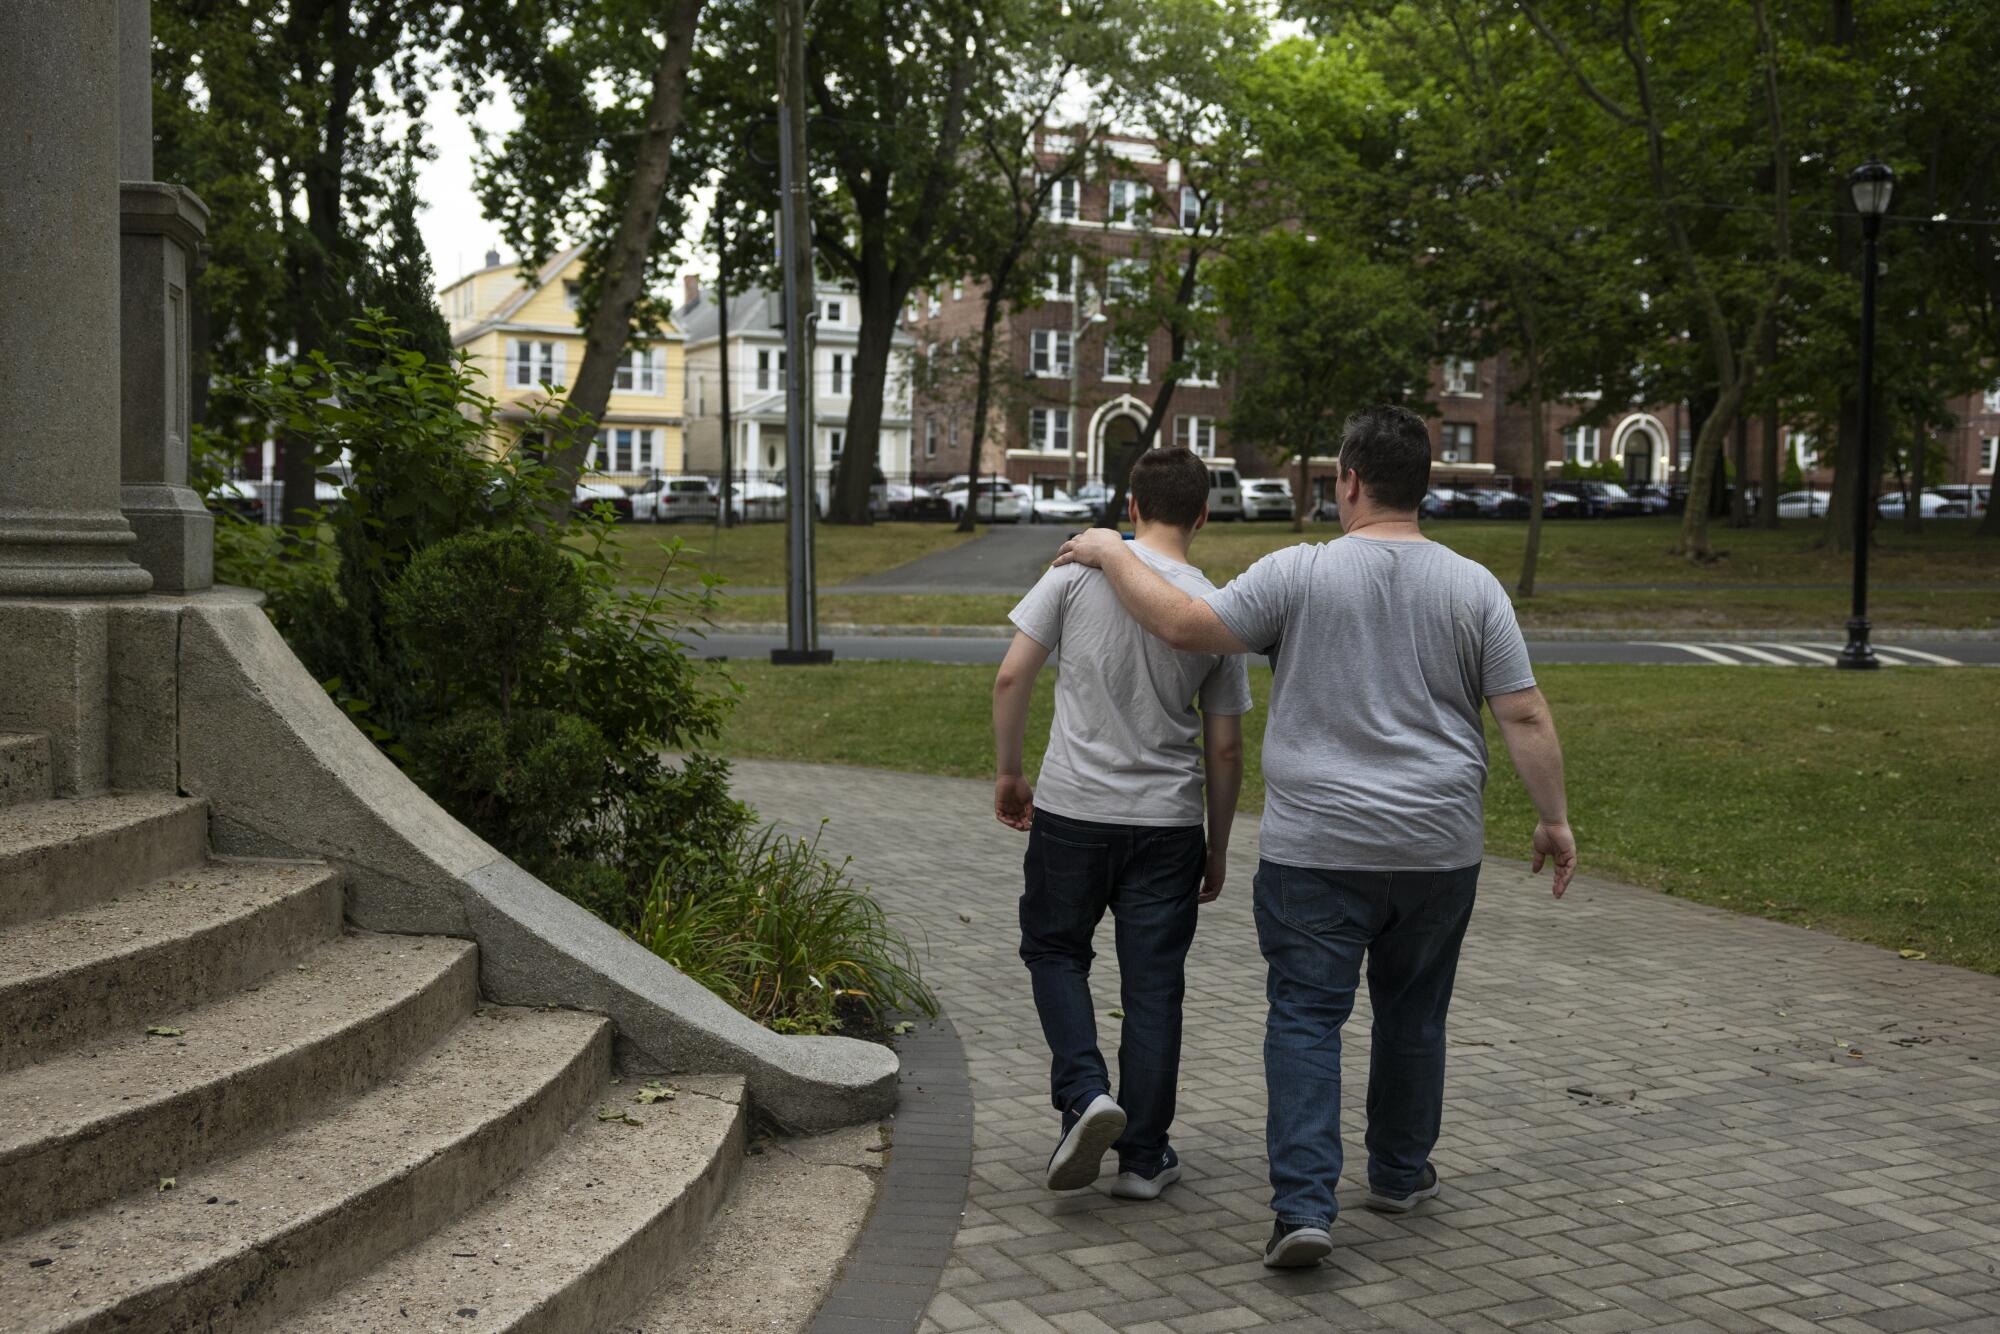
1549, 634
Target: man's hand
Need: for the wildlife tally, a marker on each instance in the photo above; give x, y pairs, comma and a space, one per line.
1013, 801
1090, 547
1555, 840
1217, 872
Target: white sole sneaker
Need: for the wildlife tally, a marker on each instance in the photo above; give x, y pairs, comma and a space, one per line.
1080, 1157
1301, 1248
1402, 1204
1132, 1186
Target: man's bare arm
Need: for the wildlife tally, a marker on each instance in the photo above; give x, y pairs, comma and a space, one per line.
1013, 688
1222, 770
1185, 623
1529, 730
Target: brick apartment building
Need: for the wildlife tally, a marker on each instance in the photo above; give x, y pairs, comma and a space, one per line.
1048, 427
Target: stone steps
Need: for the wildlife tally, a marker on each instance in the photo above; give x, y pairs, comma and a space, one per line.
58, 856
167, 946
97, 1120
577, 1240
219, 1110
24, 768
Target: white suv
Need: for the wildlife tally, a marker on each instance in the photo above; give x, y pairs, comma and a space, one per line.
1267, 498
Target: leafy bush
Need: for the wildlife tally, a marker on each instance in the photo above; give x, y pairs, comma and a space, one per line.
481, 633
782, 934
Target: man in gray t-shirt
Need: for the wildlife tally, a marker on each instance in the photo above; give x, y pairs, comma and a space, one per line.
1145, 737
1384, 646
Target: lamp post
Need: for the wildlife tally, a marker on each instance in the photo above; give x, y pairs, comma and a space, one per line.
1080, 322
1872, 184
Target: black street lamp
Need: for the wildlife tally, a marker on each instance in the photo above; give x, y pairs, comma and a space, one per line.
1872, 184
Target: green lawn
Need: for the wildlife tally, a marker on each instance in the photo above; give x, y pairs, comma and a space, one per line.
753, 555
1860, 805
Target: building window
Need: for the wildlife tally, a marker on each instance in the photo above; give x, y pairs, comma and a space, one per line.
642, 371
1580, 444
1461, 375
936, 304
770, 368
572, 294
532, 362
1067, 199
1118, 365
1804, 449
1989, 453
1131, 203
1991, 399
958, 291
1200, 361
836, 441
833, 312
837, 381
1049, 351
1060, 284
1191, 209
930, 437
1126, 279
1196, 433
1456, 443
1686, 447
1048, 430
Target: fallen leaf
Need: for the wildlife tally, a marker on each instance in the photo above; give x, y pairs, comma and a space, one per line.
626, 1118
1118, 1014
166, 1183
902, 1027
162, 1031
1909, 954
965, 917
652, 1093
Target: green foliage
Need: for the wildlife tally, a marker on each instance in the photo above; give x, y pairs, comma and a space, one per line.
496, 653
782, 934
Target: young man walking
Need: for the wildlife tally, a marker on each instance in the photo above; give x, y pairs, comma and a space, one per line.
1117, 823
1384, 645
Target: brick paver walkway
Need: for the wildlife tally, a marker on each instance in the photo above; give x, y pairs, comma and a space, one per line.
1660, 1116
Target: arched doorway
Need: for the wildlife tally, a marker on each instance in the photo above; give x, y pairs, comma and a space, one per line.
1114, 437
1641, 442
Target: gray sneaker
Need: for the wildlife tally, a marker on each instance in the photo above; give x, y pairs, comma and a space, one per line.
1402, 1204
1296, 1246
1087, 1133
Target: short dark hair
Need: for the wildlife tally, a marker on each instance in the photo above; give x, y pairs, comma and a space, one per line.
1390, 447
1171, 486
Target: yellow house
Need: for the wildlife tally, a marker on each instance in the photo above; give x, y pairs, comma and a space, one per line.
523, 337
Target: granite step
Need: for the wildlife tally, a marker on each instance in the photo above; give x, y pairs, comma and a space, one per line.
574, 1243
242, 1242
57, 856
167, 946
98, 1120
24, 768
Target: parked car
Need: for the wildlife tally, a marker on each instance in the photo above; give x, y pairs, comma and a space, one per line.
1601, 500
590, 494
878, 492
1267, 498
1444, 503
1974, 498
1056, 506
995, 500
908, 501
1495, 503
238, 498
676, 499
1096, 495
1804, 504
1560, 505
1656, 499
1225, 494
756, 502
1930, 505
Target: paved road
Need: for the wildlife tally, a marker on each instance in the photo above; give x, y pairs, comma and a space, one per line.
1661, 1116
1810, 653
1007, 559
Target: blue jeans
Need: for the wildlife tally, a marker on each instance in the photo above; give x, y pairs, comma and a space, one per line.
1314, 927
1149, 878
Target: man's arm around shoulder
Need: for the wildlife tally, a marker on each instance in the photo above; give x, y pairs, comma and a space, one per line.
1185, 623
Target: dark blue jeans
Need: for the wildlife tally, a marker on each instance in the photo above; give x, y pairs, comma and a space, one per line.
1149, 878
1314, 927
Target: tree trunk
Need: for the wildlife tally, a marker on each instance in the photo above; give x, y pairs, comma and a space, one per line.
624, 270
1739, 494
1538, 477
1839, 534
723, 516
860, 455
982, 395
1771, 471
1913, 485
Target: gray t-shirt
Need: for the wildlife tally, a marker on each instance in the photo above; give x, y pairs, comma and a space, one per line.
1382, 653
1125, 746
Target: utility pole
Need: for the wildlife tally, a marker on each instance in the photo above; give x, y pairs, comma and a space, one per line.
795, 254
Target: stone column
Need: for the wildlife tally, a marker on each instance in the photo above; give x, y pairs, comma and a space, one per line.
162, 228
61, 531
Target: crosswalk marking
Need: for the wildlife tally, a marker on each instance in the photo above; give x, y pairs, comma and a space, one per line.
1767, 654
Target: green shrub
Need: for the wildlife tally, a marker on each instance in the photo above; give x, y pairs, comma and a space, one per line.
782, 934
